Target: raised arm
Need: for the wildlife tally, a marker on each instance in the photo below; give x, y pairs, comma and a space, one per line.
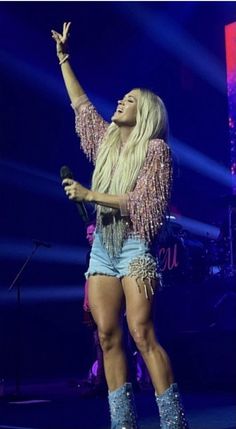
72, 84
89, 125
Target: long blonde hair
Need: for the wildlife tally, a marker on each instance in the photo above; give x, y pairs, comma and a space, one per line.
116, 170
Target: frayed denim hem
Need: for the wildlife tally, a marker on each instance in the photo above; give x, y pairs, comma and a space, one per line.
98, 273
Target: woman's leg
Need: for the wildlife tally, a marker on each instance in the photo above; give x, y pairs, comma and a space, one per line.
100, 377
105, 301
138, 310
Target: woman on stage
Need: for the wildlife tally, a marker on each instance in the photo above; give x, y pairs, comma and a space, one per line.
131, 189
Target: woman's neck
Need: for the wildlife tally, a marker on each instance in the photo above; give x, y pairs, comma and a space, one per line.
125, 133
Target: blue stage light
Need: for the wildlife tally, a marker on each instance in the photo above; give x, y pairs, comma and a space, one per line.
197, 227
31, 179
12, 249
39, 78
44, 293
201, 163
167, 33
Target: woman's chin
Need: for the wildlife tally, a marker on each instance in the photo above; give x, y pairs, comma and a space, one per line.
115, 120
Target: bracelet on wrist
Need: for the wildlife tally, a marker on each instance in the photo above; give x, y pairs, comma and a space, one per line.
64, 59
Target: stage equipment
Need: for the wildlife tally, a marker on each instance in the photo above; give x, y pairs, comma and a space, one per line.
17, 396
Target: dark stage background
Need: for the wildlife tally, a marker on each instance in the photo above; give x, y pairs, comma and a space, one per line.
178, 51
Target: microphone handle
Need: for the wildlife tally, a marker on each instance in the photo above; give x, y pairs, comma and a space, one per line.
66, 173
82, 211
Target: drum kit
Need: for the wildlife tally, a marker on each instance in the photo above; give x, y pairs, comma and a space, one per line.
187, 258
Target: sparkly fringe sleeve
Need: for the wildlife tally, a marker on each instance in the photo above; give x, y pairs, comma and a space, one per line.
147, 204
89, 126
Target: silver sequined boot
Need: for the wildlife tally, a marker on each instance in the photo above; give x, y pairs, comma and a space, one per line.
171, 410
122, 408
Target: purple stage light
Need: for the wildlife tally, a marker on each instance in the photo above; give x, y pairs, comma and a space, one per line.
230, 45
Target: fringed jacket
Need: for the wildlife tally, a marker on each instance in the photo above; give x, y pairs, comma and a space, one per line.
145, 206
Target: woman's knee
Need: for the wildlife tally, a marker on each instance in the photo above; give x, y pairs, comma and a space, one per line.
143, 335
110, 338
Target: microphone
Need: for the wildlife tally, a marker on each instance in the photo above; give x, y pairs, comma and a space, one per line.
41, 243
66, 173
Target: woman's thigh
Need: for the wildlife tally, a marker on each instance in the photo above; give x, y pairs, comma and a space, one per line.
138, 306
105, 301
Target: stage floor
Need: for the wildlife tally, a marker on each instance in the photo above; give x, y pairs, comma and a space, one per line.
57, 405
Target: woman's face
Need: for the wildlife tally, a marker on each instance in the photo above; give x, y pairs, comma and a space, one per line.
126, 112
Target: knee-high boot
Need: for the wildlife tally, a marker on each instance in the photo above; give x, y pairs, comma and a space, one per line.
171, 410
122, 408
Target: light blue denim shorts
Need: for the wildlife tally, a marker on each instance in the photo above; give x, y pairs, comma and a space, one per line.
135, 260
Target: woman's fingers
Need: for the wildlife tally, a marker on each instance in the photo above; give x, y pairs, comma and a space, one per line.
61, 38
69, 186
68, 26
68, 191
73, 189
67, 182
55, 33
56, 36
